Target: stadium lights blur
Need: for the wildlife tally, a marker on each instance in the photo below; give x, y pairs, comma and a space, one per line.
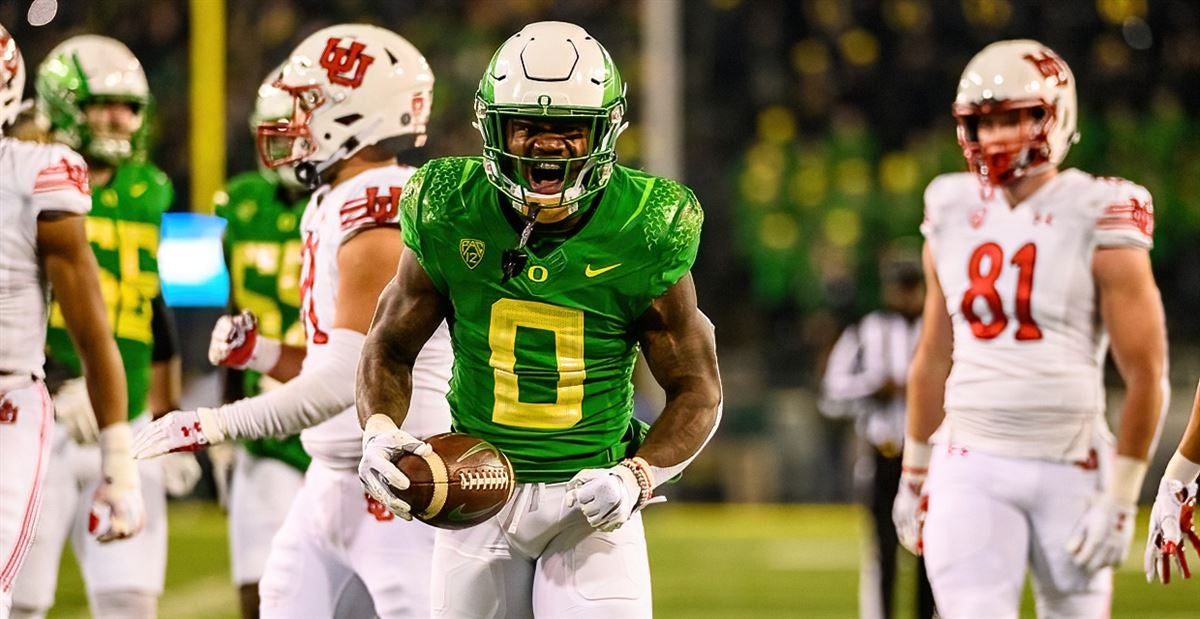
191, 262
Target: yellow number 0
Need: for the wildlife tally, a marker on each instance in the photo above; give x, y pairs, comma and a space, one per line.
567, 326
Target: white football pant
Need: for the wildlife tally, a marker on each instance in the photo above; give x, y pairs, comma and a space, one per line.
26, 428
333, 542
260, 494
538, 557
990, 517
136, 564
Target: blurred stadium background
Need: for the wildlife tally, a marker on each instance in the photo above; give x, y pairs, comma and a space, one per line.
809, 130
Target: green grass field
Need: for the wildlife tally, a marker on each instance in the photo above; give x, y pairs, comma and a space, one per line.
716, 561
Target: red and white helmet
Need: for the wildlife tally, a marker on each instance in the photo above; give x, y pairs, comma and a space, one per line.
1011, 75
352, 85
12, 78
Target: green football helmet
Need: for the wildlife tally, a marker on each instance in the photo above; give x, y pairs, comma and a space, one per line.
551, 71
93, 69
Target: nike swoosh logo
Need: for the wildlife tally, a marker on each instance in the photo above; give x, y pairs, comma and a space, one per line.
590, 272
458, 515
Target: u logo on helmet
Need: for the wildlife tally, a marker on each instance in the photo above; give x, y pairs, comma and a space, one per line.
345, 65
1049, 65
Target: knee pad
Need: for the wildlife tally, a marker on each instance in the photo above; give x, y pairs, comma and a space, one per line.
125, 605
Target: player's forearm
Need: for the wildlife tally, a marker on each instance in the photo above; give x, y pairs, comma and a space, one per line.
685, 426
309, 399
384, 384
105, 377
76, 285
1144, 398
926, 397
291, 359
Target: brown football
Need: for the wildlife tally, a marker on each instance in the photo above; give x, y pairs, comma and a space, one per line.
465, 481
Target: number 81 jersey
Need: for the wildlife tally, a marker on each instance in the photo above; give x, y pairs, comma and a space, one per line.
543, 362
1029, 348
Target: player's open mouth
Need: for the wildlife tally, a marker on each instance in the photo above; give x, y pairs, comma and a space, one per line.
546, 176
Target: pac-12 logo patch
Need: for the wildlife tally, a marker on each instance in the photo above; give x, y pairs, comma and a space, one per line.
471, 251
345, 65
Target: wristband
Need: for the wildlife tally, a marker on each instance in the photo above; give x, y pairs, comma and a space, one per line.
641, 473
266, 355
1182, 469
1125, 483
116, 463
917, 455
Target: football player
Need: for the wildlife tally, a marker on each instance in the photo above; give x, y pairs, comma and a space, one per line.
262, 245
1030, 271
1173, 518
360, 94
44, 190
554, 265
92, 95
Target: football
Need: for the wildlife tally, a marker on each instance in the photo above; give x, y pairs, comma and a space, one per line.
465, 481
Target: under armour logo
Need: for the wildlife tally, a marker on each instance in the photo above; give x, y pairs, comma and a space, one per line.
345, 65
1039, 218
1049, 65
188, 431
978, 216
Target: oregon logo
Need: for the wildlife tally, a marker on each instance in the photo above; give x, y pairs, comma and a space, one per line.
471, 251
345, 65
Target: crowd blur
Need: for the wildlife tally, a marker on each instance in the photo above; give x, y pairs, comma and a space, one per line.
811, 129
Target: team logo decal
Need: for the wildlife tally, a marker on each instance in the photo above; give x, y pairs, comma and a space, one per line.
385, 207
1049, 65
345, 65
471, 251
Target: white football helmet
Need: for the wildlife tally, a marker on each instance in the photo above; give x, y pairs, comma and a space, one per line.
87, 69
12, 79
551, 70
273, 105
1010, 75
352, 85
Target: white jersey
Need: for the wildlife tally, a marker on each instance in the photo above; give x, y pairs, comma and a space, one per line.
333, 216
1029, 347
34, 179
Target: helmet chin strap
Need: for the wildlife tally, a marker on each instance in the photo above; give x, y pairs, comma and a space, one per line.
309, 172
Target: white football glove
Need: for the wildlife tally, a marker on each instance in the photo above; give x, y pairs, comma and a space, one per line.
73, 407
235, 343
117, 508
181, 471
909, 509
179, 431
608, 497
1102, 537
383, 443
1172, 527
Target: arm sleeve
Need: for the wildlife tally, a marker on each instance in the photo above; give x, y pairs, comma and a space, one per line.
62, 185
1127, 219
312, 397
162, 328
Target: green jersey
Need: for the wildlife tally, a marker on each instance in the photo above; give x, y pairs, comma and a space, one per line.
262, 241
543, 362
123, 229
